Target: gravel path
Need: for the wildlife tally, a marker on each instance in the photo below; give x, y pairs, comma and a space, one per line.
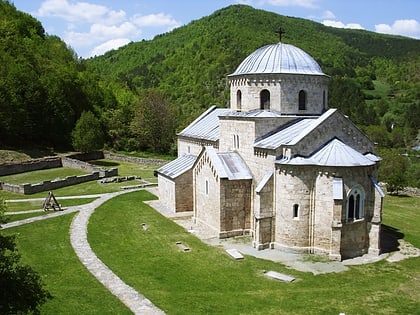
136, 302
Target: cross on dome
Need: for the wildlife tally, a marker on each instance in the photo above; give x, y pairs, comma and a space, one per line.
280, 31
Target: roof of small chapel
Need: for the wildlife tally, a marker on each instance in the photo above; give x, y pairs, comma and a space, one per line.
334, 153
206, 126
279, 58
178, 166
228, 165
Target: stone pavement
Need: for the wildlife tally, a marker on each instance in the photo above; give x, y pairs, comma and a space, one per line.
136, 302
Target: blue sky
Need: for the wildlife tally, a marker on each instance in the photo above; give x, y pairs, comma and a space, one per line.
92, 27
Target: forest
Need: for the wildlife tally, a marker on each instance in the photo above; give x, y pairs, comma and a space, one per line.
138, 97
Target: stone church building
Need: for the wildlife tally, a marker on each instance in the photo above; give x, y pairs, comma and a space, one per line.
278, 165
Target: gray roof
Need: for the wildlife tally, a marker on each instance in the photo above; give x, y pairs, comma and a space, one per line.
206, 126
334, 153
178, 166
229, 165
279, 58
254, 113
291, 133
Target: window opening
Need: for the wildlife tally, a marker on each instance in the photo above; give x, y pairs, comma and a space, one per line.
355, 204
295, 211
207, 187
302, 100
265, 99
239, 100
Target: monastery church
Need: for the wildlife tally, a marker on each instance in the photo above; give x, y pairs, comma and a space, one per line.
278, 165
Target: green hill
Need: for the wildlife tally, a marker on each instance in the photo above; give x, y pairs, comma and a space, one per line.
145, 91
190, 63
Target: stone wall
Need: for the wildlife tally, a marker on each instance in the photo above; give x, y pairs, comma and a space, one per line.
54, 162
132, 159
28, 189
29, 166
284, 90
206, 196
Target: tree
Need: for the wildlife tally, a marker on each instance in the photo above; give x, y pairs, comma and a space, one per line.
393, 170
21, 288
87, 135
153, 123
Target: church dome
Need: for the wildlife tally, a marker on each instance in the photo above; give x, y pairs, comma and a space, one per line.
279, 58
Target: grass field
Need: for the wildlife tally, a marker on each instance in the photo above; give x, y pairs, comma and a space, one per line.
205, 280
41, 175
124, 169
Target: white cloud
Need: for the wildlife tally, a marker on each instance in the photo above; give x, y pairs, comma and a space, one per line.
340, 24
109, 45
91, 25
328, 15
409, 28
292, 3
80, 12
100, 33
160, 19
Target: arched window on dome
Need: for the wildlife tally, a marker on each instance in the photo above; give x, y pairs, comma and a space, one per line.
265, 99
238, 100
302, 100
355, 204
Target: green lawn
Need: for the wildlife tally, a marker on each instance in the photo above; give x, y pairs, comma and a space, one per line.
42, 175
45, 246
206, 280
124, 169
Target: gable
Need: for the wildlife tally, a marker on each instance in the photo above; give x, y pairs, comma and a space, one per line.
206, 126
227, 165
177, 167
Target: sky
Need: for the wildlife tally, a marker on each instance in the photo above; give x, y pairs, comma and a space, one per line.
92, 27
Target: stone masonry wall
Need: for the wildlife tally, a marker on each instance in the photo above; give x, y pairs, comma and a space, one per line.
29, 166
206, 203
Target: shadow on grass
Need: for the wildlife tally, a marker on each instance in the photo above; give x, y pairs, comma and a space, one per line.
389, 239
104, 163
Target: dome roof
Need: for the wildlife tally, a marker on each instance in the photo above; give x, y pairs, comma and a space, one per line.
279, 58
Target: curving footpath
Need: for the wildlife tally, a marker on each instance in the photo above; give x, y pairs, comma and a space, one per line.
136, 302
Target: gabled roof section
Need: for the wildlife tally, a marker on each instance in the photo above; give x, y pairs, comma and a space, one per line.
206, 126
229, 165
178, 166
264, 181
292, 133
334, 153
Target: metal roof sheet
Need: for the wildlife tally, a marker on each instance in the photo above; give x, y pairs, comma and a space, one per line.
207, 126
255, 113
283, 135
178, 166
293, 132
334, 153
229, 164
279, 58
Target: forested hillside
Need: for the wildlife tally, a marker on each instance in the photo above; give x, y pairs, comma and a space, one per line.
144, 92
190, 64
44, 87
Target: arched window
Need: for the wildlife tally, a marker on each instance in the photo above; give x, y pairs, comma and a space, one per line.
295, 211
238, 99
324, 101
302, 100
265, 99
355, 204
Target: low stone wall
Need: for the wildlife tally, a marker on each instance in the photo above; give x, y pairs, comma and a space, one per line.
29, 166
132, 159
28, 189
55, 162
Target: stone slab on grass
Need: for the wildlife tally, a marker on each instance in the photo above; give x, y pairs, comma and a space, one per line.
234, 253
279, 276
